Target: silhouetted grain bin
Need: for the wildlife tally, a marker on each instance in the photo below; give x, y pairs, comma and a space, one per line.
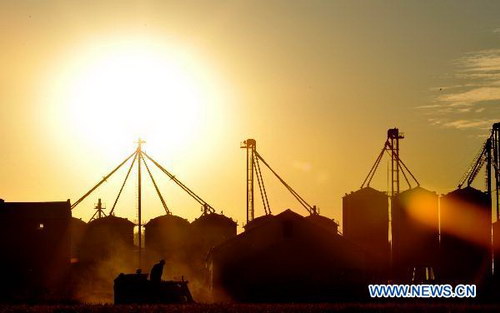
167, 236
287, 258
365, 218
323, 221
35, 242
77, 230
107, 237
415, 230
209, 230
258, 221
496, 248
465, 236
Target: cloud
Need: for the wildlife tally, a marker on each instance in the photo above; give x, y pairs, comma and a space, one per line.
473, 101
472, 96
461, 124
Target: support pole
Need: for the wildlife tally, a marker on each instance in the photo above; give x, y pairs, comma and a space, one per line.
496, 164
393, 137
139, 197
250, 145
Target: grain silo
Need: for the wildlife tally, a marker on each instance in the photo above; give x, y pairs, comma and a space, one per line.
323, 221
465, 216
106, 237
287, 258
415, 230
77, 230
365, 217
209, 230
258, 221
167, 237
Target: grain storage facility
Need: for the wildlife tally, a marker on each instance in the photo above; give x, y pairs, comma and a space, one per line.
35, 242
167, 237
465, 236
105, 237
287, 258
365, 216
415, 230
78, 228
210, 230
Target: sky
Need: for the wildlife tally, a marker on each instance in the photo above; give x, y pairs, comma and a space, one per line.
316, 83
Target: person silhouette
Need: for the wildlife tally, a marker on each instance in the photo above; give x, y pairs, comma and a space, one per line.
157, 271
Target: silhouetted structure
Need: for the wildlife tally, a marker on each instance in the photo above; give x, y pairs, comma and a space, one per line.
287, 258
167, 237
78, 228
35, 241
365, 216
258, 221
415, 230
107, 237
210, 230
136, 289
465, 236
323, 221
496, 249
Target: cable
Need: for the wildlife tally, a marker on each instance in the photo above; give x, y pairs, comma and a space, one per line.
102, 181
123, 185
156, 187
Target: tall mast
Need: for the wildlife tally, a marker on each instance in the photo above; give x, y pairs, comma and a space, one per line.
139, 196
393, 136
250, 145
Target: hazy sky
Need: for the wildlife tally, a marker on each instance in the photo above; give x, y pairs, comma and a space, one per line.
316, 83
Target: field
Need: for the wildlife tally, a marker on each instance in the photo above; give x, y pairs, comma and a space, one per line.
244, 308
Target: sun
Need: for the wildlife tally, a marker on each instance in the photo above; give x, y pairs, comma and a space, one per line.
120, 92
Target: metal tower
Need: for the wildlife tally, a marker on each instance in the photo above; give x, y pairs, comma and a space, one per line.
250, 145
488, 156
398, 167
253, 170
139, 197
393, 136
495, 145
99, 211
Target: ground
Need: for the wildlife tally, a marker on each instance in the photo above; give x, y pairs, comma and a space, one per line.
243, 308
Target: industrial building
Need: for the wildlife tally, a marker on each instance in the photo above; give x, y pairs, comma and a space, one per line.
167, 237
35, 240
365, 216
287, 258
78, 228
415, 230
465, 235
210, 230
107, 237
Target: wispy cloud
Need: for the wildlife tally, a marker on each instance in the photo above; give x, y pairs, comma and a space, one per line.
473, 101
478, 123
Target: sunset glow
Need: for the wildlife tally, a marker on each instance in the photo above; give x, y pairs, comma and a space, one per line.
119, 92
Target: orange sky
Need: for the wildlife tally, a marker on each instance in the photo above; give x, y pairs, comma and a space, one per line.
316, 83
